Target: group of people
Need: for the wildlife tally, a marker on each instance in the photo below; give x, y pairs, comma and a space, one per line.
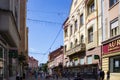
101, 75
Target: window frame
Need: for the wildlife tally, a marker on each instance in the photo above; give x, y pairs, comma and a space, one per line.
90, 56
81, 19
71, 30
66, 32
91, 7
112, 65
113, 2
82, 39
114, 31
90, 34
76, 25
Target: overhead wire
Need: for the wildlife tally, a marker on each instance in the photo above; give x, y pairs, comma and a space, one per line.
42, 21
52, 43
59, 13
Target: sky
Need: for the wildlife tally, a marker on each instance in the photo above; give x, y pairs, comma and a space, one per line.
44, 20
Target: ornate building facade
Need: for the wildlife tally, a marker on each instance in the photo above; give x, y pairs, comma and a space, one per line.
82, 37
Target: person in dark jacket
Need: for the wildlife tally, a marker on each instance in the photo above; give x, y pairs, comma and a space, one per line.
108, 75
18, 76
102, 75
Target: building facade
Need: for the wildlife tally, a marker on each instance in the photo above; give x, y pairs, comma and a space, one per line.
111, 38
82, 37
32, 63
55, 62
10, 36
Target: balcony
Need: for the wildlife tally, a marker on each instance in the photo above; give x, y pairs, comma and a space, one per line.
79, 48
8, 28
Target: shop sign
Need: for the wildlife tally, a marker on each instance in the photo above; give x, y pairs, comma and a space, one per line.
111, 47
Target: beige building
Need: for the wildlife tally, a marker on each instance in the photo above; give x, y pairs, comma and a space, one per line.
82, 37
11, 21
111, 38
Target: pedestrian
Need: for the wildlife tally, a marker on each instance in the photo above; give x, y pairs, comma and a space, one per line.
108, 75
102, 75
18, 76
36, 75
98, 74
23, 75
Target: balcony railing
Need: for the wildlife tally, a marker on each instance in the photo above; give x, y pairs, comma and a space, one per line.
76, 49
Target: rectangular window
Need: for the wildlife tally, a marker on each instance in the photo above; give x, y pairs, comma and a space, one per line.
81, 20
114, 27
66, 33
90, 35
115, 64
112, 2
76, 25
76, 62
91, 6
82, 61
89, 60
71, 30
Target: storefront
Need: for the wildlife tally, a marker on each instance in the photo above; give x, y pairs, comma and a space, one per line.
3, 63
111, 57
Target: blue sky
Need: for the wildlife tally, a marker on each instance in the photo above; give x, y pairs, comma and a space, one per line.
45, 19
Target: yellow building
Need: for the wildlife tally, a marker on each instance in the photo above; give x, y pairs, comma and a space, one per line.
82, 37
111, 38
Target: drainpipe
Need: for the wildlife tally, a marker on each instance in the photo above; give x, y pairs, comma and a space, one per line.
102, 21
97, 21
97, 26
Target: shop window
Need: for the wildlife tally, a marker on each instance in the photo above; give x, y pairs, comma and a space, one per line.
2, 66
114, 27
115, 64
90, 35
1, 53
112, 2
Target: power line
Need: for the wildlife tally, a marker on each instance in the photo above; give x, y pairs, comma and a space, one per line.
59, 13
37, 53
52, 43
36, 20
